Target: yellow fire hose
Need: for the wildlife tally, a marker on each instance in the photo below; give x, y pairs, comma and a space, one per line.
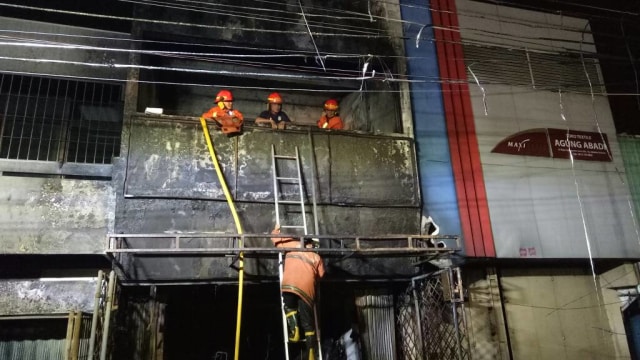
232, 206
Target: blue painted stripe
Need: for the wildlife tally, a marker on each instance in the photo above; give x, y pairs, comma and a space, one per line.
432, 144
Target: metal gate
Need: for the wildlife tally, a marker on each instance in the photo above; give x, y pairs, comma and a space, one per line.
430, 318
102, 310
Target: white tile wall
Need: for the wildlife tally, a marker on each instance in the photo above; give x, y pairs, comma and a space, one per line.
544, 207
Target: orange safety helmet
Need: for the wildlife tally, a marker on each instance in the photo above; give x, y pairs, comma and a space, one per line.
331, 104
224, 95
274, 98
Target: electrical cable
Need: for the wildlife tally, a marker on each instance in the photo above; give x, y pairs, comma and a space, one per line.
259, 17
264, 64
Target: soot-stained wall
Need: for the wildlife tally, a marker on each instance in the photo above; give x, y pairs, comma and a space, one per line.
54, 216
274, 25
365, 185
168, 158
29, 297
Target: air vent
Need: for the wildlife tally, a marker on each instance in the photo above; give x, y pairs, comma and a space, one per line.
544, 71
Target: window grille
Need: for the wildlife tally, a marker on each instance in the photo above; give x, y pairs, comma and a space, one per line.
523, 67
63, 121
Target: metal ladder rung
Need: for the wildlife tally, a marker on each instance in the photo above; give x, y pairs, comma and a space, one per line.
289, 202
288, 179
285, 157
297, 181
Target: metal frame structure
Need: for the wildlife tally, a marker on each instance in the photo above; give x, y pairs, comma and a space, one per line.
100, 324
430, 318
423, 298
423, 246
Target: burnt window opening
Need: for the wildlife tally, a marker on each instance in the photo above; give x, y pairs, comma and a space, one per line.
62, 121
176, 83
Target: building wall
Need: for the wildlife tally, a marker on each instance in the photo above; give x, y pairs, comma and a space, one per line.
67, 51
54, 216
484, 310
276, 53
550, 313
364, 185
47, 296
430, 130
630, 151
563, 316
545, 207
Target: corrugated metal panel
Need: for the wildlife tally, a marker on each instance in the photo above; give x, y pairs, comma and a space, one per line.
49, 349
377, 324
630, 149
545, 71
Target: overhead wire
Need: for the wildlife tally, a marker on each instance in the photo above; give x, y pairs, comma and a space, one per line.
284, 51
261, 17
179, 23
364, 15
358, 75
141, 19
220, 54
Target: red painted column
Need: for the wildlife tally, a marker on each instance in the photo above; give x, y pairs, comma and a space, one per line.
463, 142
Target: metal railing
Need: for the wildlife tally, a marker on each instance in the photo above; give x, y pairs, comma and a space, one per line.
216, 244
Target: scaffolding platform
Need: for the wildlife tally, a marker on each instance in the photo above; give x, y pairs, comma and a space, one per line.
219, 244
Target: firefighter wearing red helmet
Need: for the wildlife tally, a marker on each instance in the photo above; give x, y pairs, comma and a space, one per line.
273, 116
224, 115
330, 118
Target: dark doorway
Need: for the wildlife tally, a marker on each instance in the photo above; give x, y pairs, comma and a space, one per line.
200, 322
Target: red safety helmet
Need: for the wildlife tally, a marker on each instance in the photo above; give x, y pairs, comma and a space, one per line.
224, 95
274, 98
331, 104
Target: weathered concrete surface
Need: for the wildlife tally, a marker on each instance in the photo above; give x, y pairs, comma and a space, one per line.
275, 24
91, 56
47, 216
26, 297
574, 317
175, 216
366, 185
170, 159
268, 47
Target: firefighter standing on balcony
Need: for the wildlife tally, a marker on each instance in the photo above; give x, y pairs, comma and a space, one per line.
274, 114
223, 114
301, 271
330, 118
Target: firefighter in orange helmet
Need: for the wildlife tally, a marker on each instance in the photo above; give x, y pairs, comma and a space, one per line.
301, 271
228, 119
330, 118
274, 115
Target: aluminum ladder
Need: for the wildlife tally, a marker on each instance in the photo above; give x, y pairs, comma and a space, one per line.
277, 180
297, 182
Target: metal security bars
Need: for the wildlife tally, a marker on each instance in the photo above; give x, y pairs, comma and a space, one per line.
430, 322
62, 121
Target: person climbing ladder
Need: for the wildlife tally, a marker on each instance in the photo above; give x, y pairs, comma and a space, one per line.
302, 269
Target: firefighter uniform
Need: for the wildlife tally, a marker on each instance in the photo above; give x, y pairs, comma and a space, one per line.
334, 123
301, 271
330, 118
228, 119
